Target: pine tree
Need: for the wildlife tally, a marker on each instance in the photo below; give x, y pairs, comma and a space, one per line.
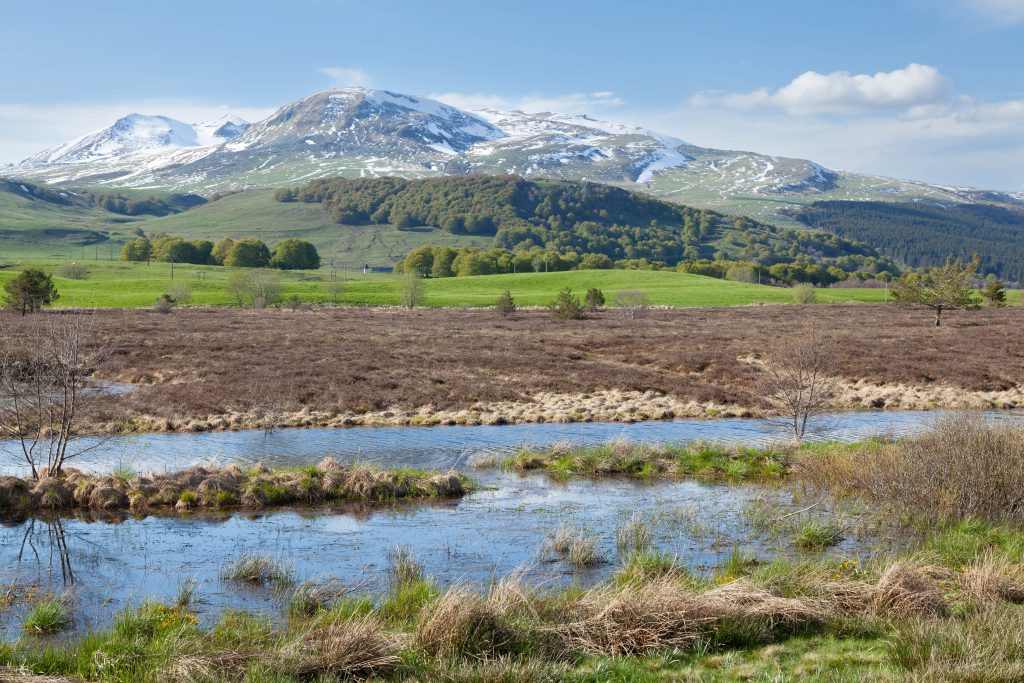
946, 288
505, 305
30, 291
994, 292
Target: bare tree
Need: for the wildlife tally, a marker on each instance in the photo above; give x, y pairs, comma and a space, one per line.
333, 289
631, 303
798, 381
44, 398
268, 407
410, 288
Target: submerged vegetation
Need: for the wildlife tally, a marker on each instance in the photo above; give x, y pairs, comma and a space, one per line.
226, 487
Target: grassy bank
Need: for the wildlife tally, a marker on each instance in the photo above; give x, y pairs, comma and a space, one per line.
225, 488
939, 618
132, 285
698, 460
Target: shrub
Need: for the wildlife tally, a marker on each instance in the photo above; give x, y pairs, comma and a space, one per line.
73, 271
505, 306
804, 293
594, 299
567, 306
179, 293
165, 304
632, 303
410, 288
964, 467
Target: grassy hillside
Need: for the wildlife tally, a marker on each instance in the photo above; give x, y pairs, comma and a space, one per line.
256, 214
31, 226
571, 216
137, 285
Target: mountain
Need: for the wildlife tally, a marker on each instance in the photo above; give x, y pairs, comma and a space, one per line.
363, 133
135, 140
355, 132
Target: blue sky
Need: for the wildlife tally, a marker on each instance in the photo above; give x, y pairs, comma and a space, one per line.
931, 90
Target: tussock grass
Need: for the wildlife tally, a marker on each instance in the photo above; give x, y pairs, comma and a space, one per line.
311, 597
358, 648
461, 623
258, 570
230, 486
642, 460
814, 535
634, 534
937, 622
48, 616
573, 545
984, 647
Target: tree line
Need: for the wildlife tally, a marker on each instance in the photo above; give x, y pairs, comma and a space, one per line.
288, 254
574, 218
437, 262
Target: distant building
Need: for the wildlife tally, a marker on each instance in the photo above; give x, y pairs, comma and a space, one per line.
367, 268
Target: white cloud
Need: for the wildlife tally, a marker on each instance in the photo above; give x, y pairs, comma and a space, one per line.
1000, 11
347, 76
26, 129
569, 103
840, 92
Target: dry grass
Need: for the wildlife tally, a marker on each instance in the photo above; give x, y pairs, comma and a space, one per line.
963, 467
985, 647
637, 619
463, 624
200, 364
907, 589
358, 648
16, 675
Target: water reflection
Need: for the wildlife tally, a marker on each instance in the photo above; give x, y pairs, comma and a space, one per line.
443, 447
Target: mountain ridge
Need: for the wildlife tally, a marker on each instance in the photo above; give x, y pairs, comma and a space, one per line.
360, 132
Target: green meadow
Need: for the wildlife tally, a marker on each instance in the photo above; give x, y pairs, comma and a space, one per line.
131, 285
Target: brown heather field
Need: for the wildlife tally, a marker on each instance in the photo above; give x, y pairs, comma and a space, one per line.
205, 362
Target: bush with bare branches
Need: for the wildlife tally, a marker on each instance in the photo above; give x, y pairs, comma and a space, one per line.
631, 303
964, 467
797, 381
44, 366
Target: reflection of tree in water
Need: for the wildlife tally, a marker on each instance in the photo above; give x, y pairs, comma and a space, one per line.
49, 535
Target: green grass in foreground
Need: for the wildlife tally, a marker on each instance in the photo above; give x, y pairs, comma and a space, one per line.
132, 285
937, 617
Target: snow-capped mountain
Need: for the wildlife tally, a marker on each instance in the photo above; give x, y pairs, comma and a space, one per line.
359, 132
137, 139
